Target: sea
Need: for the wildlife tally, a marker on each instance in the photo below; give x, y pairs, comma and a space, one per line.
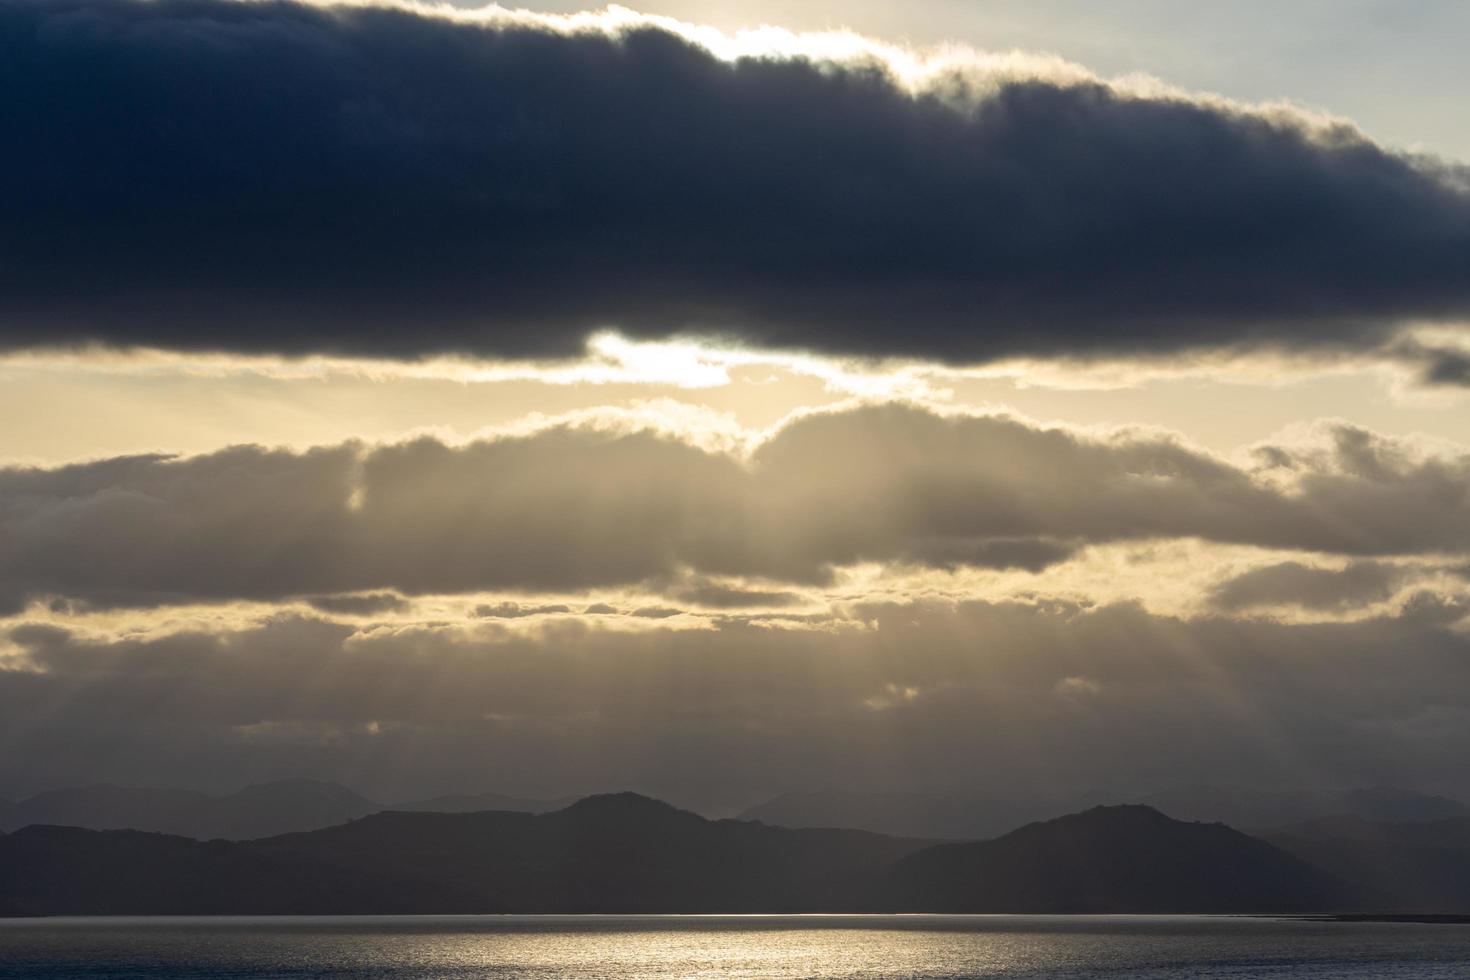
623, 948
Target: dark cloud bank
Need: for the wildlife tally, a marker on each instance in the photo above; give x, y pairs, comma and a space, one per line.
576, 508
277, 177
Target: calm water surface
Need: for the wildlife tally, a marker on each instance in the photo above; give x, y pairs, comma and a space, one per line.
466, 947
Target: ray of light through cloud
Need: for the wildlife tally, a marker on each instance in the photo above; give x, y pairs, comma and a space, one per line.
553, 398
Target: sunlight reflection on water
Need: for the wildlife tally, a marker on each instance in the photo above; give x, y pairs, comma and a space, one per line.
465, 947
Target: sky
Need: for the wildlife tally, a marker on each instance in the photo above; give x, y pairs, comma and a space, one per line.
716, 401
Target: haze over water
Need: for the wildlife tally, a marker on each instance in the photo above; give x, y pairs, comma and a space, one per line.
622, 948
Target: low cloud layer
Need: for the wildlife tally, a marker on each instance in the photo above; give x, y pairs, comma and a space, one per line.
279, 177
1005, 698
575, 508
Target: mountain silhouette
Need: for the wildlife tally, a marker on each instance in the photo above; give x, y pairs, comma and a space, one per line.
168, 811
264, 810
1112, 859
976, 816
295, 805
1415, 866
936, 815
624, 853
475, 802
1265, 808
255, 811
611, 853
69, 870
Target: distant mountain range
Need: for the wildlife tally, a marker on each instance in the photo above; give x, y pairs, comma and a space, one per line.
304, 846
629, 854
265, 810
1418, 866
977, 817
293, 805
940, 816
476, 802
1256, 808
1121, 859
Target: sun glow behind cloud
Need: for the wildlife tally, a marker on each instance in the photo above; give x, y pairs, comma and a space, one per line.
89, 402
